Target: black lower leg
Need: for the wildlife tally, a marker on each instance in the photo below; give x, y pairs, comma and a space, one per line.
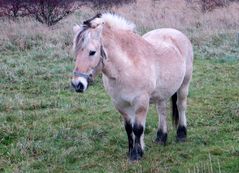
181, 134
137, 151
129, 130
161, 137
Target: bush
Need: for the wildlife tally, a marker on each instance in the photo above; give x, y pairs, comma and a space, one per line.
13, 8
106, 4
209, 5
51, 11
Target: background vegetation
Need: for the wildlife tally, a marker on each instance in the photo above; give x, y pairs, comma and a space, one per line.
46, 127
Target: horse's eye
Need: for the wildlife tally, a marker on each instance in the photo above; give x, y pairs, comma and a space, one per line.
91, 53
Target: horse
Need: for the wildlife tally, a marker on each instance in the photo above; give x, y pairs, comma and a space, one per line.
136, 71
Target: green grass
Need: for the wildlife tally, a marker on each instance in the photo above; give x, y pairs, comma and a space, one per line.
46, 127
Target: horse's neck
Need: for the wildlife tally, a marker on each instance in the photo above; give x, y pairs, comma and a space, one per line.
124, 51
117, 57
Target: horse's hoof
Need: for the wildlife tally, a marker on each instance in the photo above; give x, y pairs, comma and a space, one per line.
161, 137
136, 154
135, 158
181, 134
180, 140
160, 142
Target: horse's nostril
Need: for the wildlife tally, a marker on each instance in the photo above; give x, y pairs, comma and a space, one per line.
79, 84
80, 87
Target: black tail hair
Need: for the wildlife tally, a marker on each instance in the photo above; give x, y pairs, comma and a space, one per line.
175, 115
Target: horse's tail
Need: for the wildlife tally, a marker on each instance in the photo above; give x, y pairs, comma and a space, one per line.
175, 115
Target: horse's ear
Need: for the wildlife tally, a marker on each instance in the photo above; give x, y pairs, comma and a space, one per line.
96, 22
77, 28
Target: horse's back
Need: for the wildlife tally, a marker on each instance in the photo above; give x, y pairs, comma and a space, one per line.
176, 39
173, 37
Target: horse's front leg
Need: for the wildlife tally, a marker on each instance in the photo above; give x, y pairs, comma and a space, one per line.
134, 126
141, 105
134, 119
129, 131
128, 118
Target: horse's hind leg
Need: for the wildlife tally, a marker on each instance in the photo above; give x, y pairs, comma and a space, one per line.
162, 125
182, 94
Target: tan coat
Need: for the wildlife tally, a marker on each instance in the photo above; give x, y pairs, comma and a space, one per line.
136, 71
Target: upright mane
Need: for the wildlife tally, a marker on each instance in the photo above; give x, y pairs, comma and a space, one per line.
119, 22
113, 20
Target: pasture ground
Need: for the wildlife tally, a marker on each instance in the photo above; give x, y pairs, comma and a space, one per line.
46, 127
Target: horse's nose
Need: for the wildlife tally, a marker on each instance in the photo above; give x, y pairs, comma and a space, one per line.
79, 84
78, 87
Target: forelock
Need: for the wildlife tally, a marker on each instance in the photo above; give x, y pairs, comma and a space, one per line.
81, 39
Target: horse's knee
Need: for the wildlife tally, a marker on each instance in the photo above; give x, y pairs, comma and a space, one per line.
182, 94
141, 104
182, 104
182, 98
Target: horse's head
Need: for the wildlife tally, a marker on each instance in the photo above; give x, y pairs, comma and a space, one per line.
89, 53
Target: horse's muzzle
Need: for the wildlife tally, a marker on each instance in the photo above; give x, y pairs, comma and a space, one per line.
80, 84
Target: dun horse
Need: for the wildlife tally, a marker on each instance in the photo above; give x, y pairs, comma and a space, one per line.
136, 71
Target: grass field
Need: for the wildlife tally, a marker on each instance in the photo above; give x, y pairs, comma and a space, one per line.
47, 127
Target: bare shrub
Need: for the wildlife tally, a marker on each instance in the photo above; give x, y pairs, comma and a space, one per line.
209, 5
107, 4
13, 8
52, 11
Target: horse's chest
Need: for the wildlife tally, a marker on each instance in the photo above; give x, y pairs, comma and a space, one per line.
119, 93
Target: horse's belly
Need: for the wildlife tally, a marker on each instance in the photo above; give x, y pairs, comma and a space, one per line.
169, 81
124, 96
